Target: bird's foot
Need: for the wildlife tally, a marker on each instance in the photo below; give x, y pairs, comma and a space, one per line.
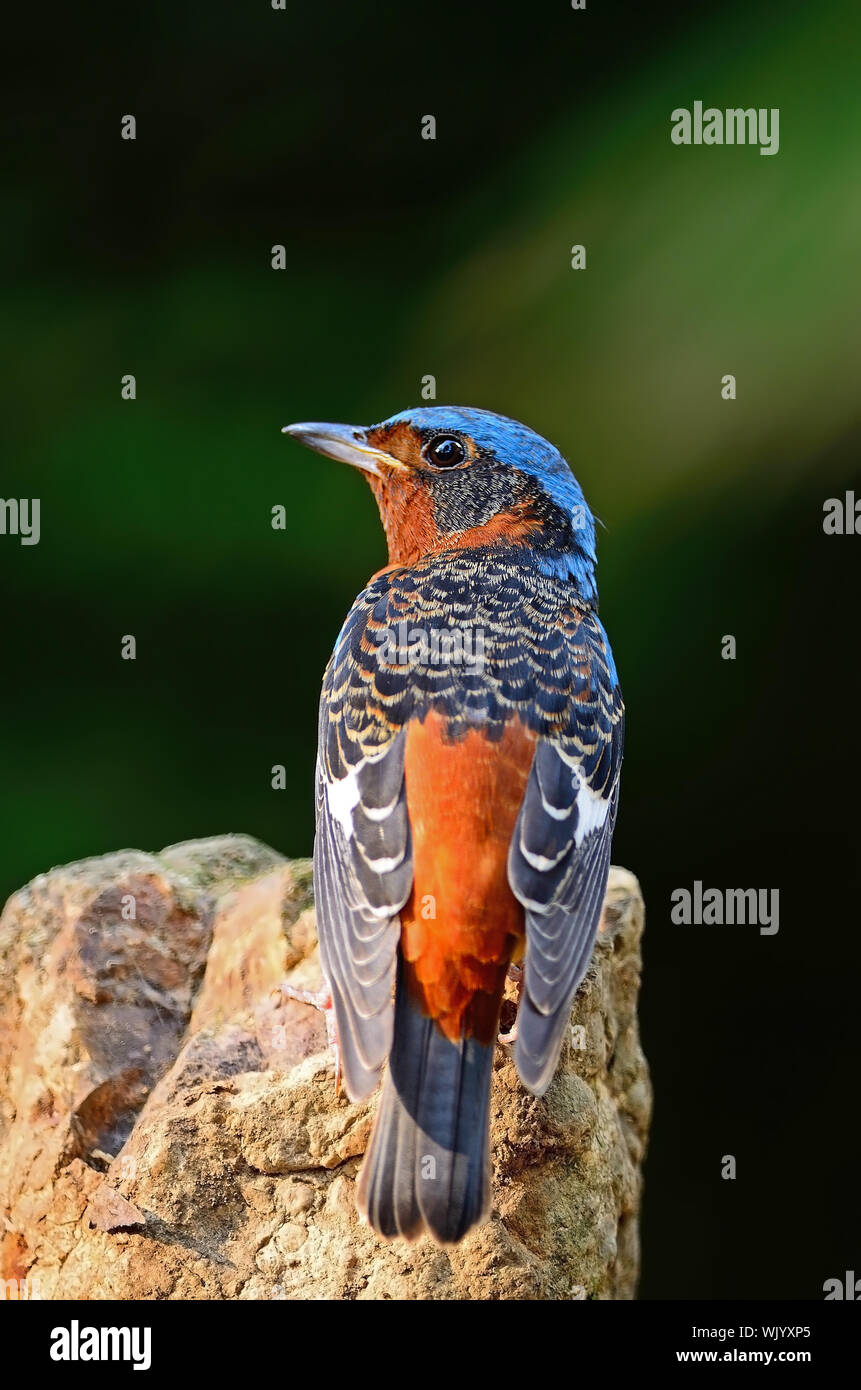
318, 999
515, 973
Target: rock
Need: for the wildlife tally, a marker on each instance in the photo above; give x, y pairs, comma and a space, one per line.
111, 1212
169, 1126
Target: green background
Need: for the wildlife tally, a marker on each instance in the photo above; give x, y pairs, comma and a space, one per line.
407, 257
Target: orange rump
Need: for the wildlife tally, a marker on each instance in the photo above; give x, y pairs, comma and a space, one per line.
462, 925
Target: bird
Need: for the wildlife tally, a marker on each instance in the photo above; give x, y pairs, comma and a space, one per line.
470, 742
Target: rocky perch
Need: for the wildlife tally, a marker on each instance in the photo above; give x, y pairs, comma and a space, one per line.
170, 1128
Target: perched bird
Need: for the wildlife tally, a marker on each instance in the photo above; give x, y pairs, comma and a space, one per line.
470, 743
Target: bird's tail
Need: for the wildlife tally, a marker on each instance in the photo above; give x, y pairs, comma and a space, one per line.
427, 1167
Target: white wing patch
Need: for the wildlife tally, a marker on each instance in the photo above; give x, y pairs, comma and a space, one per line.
342, 796
592, 810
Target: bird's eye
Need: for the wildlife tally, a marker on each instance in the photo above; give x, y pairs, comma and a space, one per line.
445, 451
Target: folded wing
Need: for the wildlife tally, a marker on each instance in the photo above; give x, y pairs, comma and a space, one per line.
362, 854
560, 852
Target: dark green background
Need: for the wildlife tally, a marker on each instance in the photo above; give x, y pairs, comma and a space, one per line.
407, 257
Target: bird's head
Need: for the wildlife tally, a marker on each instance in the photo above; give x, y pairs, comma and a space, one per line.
447, 478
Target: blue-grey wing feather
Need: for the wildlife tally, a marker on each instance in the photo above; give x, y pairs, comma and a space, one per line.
559, 857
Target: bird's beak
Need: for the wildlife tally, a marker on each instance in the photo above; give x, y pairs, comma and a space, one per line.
345, 442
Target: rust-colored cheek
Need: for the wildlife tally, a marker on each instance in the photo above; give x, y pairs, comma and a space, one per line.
462, 924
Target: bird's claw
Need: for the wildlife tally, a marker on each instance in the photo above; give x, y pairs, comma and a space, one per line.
318, 999
515, 973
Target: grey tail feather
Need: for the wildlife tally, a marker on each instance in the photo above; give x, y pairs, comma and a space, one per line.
427, 1167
